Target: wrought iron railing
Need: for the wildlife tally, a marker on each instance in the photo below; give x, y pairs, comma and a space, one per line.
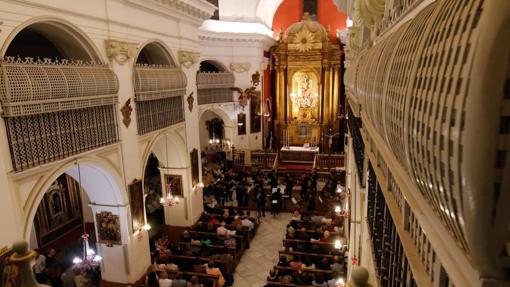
55, 109
215, 87
158, 94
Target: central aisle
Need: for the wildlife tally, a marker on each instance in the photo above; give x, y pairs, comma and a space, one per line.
256, 262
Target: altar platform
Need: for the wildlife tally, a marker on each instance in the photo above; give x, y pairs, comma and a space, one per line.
298, 154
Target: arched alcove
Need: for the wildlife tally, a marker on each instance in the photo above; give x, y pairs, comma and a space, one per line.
212, 66
155, 53
159, 86
52, 38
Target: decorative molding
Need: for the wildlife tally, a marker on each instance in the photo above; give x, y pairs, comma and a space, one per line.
240, 67
126, 113
188, 58
120, 51
193, 10
190, 101
211, 36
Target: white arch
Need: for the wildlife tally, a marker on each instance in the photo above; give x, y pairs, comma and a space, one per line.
217, 63
164, 48
266, 10
227, 120
69, 33
99, 180
170, 149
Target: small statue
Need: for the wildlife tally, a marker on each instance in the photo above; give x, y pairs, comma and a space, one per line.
22, 258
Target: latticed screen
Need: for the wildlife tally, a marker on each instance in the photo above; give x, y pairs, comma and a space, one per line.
158, 114
42, 138
213, 96
55, 109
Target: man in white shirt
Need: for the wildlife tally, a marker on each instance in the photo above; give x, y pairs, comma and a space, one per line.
164, 281
248, 223
222, 230
39, 266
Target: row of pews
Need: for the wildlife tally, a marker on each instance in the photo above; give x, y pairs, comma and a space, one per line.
308, 243
201, 244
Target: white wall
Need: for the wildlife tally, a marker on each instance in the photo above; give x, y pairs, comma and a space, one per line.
134, 21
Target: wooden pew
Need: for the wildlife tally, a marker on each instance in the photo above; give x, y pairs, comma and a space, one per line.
327, 247
188, 275
241, 241
229, 266
214, 249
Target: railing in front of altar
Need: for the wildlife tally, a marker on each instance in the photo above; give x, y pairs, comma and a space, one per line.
327, 161
263, 160
238, 158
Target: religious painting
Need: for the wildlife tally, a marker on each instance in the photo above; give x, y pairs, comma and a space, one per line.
255, 108
136, 201
108, 227
241, 124
173, 184
194, 166
59, 211
304, 97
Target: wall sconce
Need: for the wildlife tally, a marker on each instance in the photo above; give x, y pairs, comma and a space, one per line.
338, 210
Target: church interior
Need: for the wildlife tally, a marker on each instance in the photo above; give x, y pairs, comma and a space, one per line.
251, 143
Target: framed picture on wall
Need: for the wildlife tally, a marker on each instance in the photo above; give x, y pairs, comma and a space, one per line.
173, 183
136, 202
194, 166
241, 124
255, 107
108, 227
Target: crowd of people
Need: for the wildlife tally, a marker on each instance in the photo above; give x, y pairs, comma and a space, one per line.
51, 271
312, 253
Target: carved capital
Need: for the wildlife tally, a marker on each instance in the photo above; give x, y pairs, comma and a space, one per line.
240, 67
120, 51
188, 58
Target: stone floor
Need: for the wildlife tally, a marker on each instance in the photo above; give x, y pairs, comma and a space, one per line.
256, 262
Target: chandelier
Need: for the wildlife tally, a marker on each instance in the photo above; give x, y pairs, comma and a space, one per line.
89, 257
169, 200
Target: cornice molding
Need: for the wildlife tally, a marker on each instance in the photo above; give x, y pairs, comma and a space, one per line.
204, 36
198, 10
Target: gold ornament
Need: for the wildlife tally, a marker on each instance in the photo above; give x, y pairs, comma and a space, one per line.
303, 40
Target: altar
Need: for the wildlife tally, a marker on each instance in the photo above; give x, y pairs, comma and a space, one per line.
299, 154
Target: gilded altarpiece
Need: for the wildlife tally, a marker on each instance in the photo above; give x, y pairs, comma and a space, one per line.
307, 64
59, 211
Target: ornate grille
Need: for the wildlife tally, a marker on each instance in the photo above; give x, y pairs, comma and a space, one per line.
158, 95
29, 87
55, 109
158, 114
38, 139
214, 87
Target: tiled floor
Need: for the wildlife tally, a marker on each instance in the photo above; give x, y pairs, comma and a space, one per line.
256, 262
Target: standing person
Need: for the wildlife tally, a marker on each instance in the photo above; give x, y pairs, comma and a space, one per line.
276, 198
304, 187
315, 178
262, 202
273, 179
289, 184
39, 267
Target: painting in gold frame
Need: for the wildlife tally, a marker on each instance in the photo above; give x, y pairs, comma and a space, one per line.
174, 182
108, 228
136, 201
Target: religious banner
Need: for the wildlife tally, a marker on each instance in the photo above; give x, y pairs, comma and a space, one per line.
255, 111
241, 124
108, 228
136, 202
173, 184
194, 166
